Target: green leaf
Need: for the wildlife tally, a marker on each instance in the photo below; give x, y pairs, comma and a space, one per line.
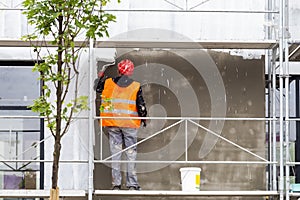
64, 22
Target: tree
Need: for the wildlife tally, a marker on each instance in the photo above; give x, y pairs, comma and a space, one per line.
63, 22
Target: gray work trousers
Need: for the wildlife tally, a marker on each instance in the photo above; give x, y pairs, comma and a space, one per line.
117, 137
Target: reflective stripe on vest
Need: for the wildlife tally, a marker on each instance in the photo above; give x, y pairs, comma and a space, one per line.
120, 102
117, 111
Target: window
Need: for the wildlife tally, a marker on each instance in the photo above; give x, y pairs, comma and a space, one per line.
19, 136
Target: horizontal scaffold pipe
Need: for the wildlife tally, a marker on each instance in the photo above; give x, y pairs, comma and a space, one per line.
39, 193
172, 10
145, 161
155, 118
292, 163
44, 161
195, 118
194, 11
186, 162
34, 117
293, 119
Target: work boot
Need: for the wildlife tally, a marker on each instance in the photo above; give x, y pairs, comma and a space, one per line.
134, 188
116, 187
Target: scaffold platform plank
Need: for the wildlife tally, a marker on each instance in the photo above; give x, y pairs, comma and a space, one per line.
39, 193
159, 193
294, 194
183, 193
197, 44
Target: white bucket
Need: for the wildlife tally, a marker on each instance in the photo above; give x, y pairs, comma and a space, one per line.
190, 179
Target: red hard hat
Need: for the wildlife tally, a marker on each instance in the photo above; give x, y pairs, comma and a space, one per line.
126, 67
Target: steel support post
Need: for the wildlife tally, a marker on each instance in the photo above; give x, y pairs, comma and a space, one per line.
287, 84
274, 136
91, 122
281, 114
287, 135
269, 114
268, 64
186, 140
297, 144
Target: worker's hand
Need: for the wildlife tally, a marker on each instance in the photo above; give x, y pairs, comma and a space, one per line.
144, 122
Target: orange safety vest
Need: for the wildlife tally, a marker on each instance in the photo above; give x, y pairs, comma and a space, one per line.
119, 101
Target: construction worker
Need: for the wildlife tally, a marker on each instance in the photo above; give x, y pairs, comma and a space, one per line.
122, 97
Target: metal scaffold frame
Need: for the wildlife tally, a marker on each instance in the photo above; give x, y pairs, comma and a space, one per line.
277, 48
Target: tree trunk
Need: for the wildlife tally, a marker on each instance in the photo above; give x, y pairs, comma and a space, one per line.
55, 165
54, 194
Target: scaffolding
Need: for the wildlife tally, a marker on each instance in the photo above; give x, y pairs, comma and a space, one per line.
279, 52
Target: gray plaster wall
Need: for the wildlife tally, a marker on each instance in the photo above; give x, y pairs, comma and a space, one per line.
244, 83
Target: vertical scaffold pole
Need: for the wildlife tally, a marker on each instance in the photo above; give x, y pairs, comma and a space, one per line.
186, 140
90, 119
274, 122
281, 145
268, 64
274, 136
287, 113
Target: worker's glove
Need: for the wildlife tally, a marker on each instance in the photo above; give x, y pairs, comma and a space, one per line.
144, 122
100, 74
